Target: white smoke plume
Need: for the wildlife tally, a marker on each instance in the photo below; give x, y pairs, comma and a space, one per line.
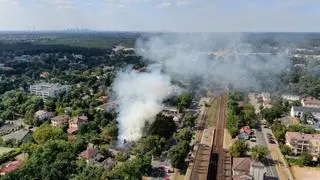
140, 97
184, 58
214, 58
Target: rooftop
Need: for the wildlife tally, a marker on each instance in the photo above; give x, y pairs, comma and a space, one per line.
10, 166
79, 119
18, 135
47, 86
89, 152
60, 118
302, 136
242, 164
306, 109
311, 101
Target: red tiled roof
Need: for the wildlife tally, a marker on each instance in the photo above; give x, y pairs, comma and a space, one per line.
302, 136
89, 153
79, 119
311, 101
241, 164
10, 166
103, 99
72, 130
60, 119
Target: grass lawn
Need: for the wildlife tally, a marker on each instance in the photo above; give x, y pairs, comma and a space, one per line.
4, 150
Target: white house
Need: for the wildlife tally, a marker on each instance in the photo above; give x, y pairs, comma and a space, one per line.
290, 97
298, 111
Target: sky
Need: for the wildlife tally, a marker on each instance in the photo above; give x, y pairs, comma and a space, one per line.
162, 15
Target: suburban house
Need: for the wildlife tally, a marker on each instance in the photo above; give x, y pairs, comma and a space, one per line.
10, 166
44, 74
94, 157
45, 90
76, 122
298, 111
89, 153
60, 120
21, 135
266, 101
244, 133
245, 168
103, 99
174, 113
310, 102
8, 128
300, 142
290, 97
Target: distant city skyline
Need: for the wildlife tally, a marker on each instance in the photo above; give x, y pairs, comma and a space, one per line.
161, 15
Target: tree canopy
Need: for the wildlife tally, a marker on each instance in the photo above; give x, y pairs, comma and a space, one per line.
47, 132
239, 148
259, 152
178, 153
163, 126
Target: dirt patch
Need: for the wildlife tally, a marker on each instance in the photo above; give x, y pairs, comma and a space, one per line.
305, 173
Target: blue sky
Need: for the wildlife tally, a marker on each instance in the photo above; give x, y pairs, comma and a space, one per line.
162, 15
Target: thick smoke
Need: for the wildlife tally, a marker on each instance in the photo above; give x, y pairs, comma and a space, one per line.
140, 97
208, 60
215, 59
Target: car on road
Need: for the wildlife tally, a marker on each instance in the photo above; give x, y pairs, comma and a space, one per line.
252, 132
253, 140
271, 141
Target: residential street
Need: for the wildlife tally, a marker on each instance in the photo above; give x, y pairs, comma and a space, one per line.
261, 139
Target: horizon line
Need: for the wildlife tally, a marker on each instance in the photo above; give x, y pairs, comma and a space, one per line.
141, 31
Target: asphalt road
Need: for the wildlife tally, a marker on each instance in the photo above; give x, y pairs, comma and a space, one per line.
269, 163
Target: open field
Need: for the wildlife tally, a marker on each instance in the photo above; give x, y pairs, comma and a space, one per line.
305, 173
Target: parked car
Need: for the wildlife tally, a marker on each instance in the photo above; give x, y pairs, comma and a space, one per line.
253, 140
271, 141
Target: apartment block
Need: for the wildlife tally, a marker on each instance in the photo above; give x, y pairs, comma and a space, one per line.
304, 143
45, 90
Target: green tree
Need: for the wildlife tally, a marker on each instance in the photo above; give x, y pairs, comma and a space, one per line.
259, 152
163, 126
190, 121
285, 150
55, 159
85, 172
47, 132
149, 144
184, 100
122, 157
110, 131
304, 159
178, 153
130, 170
183, 135
239, 148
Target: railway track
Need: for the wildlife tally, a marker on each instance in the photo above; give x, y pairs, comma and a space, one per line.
217, 168
203, 152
